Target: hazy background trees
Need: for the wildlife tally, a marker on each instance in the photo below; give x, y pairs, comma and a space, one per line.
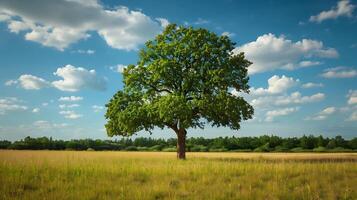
263, 143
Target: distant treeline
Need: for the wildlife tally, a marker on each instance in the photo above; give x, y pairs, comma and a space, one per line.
263, 143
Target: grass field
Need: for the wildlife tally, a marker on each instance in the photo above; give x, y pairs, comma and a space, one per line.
157, 175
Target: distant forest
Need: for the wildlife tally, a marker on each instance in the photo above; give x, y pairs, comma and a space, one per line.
263, 143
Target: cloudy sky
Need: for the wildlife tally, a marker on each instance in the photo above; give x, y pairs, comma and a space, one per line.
61, 61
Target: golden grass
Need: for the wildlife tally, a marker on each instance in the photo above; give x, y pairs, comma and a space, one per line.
158, 175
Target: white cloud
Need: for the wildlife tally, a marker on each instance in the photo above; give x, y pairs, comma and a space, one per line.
308, 63
322, 115
11, 104
42, 124
270, 115
71, 98
312, 85
269, 53
11, 82
328, 111
352, 97
35, 110
353, 116
118, 68
283, 100
97, 108
228, 34
276, 85
201, 21
4, 17
344, 8
30, 82
297, 98
164, 22
60, 23
44, 104
339, 72
70, 114
75, 79
81, 51
64, 106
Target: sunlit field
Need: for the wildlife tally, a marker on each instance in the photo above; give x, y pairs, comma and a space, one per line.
158, 175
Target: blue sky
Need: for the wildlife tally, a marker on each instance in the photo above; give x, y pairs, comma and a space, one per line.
60, 62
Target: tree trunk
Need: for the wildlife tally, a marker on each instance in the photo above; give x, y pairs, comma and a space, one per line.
181, 144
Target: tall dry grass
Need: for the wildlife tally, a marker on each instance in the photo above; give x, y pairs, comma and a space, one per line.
157, 175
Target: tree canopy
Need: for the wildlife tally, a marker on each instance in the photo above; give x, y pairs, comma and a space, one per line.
183, 79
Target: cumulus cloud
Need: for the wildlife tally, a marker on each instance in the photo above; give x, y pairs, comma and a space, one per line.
284, 100
97, 108
270, 115
29, 82
11, 82
35, 110
70, 114
308, 63
353, 116
352, 97
81, 51
64, 106
118, 68
74, 79
270, 52
312, 85
71, 98
42, 124
344, 8
8, 104
276, 85
164, 22
322, 115
339, 72
60, 23
297, 98
201, 21
228, 34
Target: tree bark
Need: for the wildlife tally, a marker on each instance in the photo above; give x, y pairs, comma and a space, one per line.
181, 144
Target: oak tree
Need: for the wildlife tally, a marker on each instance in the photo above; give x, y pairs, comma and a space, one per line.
183, 79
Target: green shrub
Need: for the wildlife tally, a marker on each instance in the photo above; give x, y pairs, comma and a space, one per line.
241, 150
263, 148
320, 149
299, 149
156, 148
131, 148
281, 149
143, 148
340, 149
170, 149
218, 150
198, 148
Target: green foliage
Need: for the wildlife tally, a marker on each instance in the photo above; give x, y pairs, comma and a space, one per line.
263, 143
169, 149
263, 148
131, 148
183, 76
298, 149
320, 149
156, 147
198, 148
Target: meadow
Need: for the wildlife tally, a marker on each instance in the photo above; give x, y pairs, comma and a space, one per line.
158, 175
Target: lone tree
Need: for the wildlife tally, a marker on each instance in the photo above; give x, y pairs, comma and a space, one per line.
183, 79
